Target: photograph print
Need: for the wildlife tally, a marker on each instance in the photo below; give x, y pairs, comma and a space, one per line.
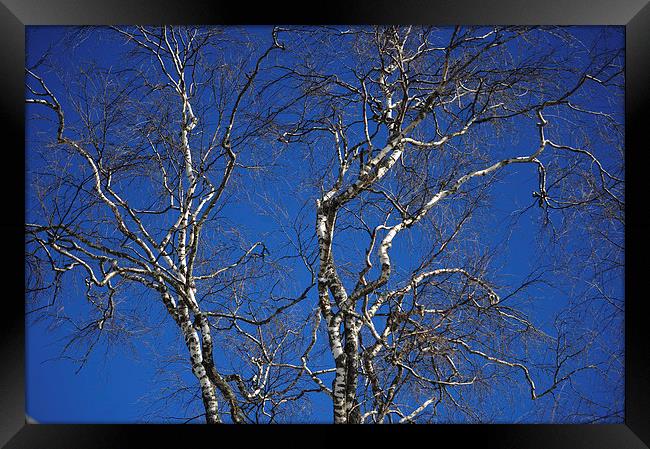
325, 224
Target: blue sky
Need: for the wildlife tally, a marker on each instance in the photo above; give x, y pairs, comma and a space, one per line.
130, 380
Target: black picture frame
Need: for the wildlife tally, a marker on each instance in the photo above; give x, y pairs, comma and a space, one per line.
633, 14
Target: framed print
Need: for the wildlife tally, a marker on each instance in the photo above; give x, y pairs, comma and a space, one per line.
379, 214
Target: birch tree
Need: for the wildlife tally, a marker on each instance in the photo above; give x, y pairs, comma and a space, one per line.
142, 162
412, 128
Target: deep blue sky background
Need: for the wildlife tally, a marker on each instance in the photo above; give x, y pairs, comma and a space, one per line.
122, 382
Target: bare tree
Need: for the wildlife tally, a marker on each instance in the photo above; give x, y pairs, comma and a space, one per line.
131, 194
415, 127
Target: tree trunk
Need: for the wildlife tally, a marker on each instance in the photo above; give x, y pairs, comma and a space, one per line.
196, 357
353, 414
